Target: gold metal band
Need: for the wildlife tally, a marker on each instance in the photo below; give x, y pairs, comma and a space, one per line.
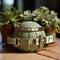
27, 29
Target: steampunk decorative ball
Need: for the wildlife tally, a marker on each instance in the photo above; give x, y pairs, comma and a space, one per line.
29, 37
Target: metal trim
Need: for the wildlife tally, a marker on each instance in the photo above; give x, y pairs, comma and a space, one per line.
28, 29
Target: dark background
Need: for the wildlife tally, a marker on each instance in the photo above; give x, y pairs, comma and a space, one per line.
51, 4
33, 4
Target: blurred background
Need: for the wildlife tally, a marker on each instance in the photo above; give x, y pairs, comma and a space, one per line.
31, 4
23, 5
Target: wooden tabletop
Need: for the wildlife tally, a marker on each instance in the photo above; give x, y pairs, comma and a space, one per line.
48, 53
52, 52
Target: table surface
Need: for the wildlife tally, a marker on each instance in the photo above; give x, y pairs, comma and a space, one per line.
48, 53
